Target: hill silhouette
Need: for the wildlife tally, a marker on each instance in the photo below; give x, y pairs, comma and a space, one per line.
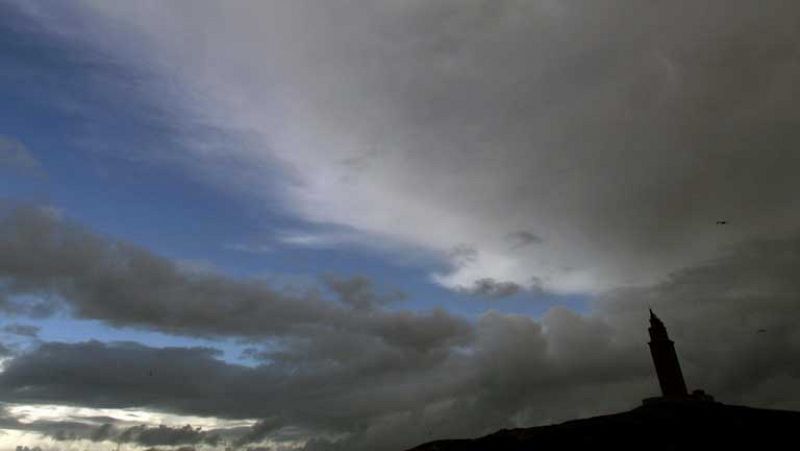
677, 420
667, 425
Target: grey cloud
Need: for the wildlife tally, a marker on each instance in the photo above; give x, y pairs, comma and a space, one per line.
142, 435
7, 421
55, 261
462, 255
149, 374
523, 238
359, 292
364, 402
354, 165
167, 436
621, 132
732, 316
102, 433
258, 432
489, 287
346, 391
23, 330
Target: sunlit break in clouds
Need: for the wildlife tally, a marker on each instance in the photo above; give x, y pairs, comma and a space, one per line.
365, 225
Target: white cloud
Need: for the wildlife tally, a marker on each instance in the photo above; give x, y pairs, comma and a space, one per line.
315, 240
249, 248
53, 412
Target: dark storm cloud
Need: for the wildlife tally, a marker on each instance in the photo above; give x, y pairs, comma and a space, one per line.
257, 433
734, 317
733, 320
167, 436
359, 292
324, 393
102, 433
23, 330
51, 261
621, 131
150, 374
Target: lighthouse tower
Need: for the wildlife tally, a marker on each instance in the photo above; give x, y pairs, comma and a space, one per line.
665, 360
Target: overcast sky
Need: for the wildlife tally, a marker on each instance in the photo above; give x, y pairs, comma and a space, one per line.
361, 225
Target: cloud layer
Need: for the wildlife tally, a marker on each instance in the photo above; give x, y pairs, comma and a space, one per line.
383, 379
617, 135
568, 147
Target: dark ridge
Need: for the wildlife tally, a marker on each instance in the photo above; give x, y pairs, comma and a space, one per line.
676, 420
666, 425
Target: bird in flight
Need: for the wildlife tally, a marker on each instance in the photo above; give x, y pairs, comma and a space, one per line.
722, 222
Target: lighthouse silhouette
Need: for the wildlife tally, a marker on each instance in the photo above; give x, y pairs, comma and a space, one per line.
670, 377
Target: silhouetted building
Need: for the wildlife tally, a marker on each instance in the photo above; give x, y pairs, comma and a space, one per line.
665, 360
676, 420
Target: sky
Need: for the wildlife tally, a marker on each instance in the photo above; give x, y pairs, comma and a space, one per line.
362, 225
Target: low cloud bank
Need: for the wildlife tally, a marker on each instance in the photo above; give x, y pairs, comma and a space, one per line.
351, 375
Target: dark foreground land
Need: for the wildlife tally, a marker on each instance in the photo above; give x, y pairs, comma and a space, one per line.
660, 426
